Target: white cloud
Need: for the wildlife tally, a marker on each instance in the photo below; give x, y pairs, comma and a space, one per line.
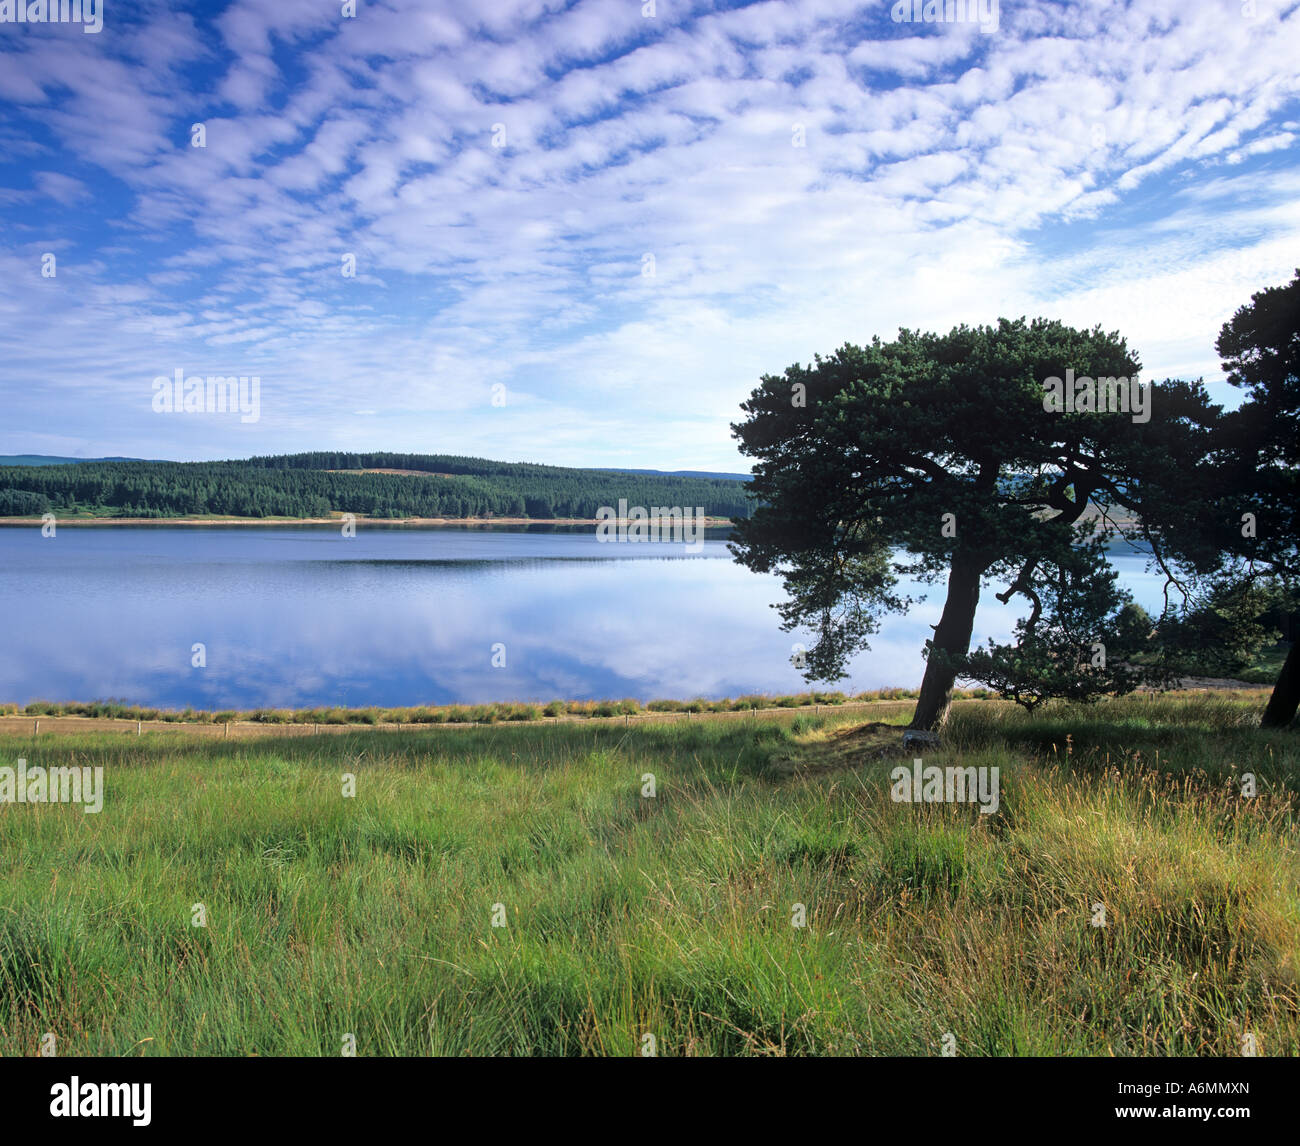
946, 176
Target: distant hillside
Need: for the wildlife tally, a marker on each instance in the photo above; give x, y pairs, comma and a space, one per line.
685, 473
53, 460
318, 484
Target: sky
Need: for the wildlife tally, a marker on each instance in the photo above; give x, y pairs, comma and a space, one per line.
579, 232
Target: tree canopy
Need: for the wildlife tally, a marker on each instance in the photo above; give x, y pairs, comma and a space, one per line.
952, 456
1257, 509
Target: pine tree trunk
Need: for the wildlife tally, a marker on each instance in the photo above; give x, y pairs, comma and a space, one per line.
1286, 692
952, 636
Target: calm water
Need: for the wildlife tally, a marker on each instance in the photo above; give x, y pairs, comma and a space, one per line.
301, 616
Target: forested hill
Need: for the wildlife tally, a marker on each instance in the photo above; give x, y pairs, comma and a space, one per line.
317, 484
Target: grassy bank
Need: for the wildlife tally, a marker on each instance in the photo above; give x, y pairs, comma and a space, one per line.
671, 915
493, 713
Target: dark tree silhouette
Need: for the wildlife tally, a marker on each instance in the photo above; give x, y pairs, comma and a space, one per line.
1260, 349
937, 455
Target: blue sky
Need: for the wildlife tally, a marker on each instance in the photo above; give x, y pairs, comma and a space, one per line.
501, 171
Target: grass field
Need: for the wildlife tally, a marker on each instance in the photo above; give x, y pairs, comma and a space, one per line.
626, 915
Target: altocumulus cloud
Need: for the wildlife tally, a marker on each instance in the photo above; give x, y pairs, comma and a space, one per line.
621, 218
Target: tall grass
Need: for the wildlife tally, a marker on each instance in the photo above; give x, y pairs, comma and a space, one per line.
672, 915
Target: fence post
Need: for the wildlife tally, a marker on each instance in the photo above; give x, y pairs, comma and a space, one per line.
37, 730
227, 736
139, 727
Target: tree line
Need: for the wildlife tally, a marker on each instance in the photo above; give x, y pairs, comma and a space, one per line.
304, 486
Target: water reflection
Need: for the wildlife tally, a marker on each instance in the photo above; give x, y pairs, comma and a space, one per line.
298, 615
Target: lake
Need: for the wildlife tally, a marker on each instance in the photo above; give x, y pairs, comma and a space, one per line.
293, 616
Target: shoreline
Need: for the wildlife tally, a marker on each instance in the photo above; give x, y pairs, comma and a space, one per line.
499, 713
64, 725
417, 522
888, 710
414, 522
